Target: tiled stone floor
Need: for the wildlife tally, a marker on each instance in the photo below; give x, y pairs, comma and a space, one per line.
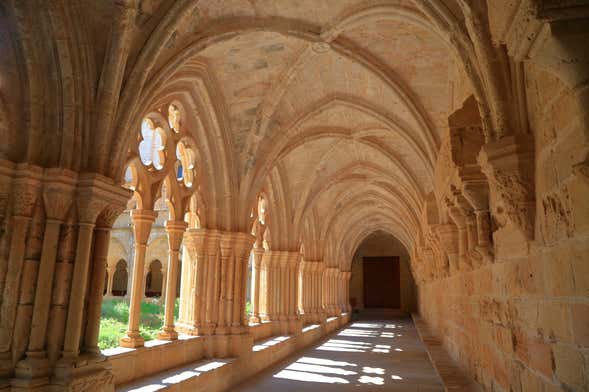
367, 355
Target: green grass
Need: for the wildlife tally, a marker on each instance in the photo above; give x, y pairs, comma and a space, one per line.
115, 315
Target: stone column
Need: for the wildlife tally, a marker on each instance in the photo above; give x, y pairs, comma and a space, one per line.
306, 291
273, 267
256, 272
111, 276
60, 296
319, 292
266, 279
58, 196
281, 286
99, 260
243, 243
339, 290
89, 206
347, 292
324, 292
226, 284
142, 222
164, 282
197, 299
26, 187
292, 287
175, 230
331, 277
212, 280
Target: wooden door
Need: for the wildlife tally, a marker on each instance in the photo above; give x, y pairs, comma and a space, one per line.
382, 284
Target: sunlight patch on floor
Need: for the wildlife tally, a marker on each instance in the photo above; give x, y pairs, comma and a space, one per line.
309, 377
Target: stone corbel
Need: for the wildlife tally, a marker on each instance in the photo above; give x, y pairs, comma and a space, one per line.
428, 264
508, 164
448, 240
475, 258
458, 216
477, 194
441, 268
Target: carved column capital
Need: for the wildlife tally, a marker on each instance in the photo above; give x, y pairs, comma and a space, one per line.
95, 193
258, 255
175, 230
242, 243
27, 186
58, 192
199, 241
142, 222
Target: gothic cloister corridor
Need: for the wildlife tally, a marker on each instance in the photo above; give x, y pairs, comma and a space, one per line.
207, 195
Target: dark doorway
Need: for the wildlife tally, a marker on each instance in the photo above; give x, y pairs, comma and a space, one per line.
382, 285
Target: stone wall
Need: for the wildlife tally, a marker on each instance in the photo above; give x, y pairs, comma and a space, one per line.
521, 322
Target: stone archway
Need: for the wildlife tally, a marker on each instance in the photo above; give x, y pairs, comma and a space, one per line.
381, 253
154, 279
120, 279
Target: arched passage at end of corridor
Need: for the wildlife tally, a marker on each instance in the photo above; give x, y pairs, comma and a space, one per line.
381, 276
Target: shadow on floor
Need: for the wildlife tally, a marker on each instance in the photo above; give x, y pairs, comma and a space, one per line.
366, 355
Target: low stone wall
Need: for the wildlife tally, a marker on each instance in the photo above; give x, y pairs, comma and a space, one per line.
179, 365
130, 364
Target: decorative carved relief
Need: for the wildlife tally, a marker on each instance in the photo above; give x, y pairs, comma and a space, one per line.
508, 165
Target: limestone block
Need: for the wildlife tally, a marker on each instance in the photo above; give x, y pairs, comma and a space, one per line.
554, 322
558, 271
580, 320
570, 367
533, 352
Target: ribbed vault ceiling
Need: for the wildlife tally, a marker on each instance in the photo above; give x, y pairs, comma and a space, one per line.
333, 109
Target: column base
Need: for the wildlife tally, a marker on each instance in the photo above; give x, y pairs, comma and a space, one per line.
295, 326
195, 330
167, 334
132, 340
238, 329
234, 345
255, 319
83, 376
34, 369
222, 331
